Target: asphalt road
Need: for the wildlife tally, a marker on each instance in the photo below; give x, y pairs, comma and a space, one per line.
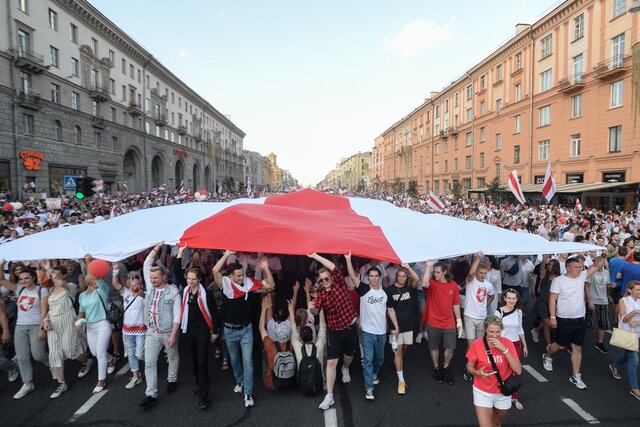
606, 401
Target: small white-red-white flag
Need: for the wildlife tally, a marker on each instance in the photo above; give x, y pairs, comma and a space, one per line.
514, 186
435, 202
549, 186
578, 205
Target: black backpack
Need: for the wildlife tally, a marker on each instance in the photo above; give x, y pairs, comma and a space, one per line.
309, 372
284, 368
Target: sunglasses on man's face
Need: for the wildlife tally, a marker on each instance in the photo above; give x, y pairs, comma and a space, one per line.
323, 279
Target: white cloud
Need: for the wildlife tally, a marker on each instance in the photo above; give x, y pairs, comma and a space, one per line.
183, 53
418, 36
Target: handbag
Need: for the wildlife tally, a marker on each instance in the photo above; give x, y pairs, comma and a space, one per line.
113, 313
624, 339
511, 384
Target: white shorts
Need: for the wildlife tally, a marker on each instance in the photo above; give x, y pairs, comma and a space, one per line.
473, 328
404, 338
491, 400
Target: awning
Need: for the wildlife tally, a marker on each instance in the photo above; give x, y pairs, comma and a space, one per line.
567, 188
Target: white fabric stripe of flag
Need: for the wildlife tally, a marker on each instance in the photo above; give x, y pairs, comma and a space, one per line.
549, 186
514, 186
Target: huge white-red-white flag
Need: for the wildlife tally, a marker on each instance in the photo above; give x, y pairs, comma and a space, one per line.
549, 186
435, 202
514, 186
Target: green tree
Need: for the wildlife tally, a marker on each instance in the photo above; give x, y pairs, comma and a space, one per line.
398, 186
413, 188
495, 190
456, 190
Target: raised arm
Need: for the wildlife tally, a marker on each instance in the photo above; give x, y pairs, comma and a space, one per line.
263, 314
322, 260
474, 266
413, 276
4, 324
352, 274
217, 274
427, 274
148, 263
115, 279
7, 284
264, 264
177, 268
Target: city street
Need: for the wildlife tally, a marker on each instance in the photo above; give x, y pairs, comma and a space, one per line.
548, 398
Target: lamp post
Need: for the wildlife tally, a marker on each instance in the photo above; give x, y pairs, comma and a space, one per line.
405, 155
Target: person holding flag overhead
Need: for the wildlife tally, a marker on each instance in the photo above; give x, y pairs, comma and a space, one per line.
514, 186
549, 186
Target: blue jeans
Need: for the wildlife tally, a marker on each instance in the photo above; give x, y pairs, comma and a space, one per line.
631, 359
240, 345
135, 351
373, 356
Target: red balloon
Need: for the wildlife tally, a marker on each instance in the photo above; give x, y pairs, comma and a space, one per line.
202, 191
7, 207
98, 268
562, 220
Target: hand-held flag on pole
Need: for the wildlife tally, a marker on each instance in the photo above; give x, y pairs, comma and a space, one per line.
435, 202
514, 186
549, 186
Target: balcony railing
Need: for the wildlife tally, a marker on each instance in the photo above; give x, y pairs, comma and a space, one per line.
99, 93
182, 130
30, 60
161, 119
611, 67
97, 122
572, 83
134, 109
29, 100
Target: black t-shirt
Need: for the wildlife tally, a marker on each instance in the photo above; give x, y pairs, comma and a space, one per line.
403, 301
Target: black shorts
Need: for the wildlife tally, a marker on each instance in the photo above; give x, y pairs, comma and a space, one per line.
615, 294
571, 331
342, 342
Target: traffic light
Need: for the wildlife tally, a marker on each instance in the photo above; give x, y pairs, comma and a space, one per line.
88, 187
80, 186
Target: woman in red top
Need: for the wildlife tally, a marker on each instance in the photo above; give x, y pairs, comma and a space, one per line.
491, 405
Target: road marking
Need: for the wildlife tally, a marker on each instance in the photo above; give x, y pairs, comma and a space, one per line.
578, 410
87, 405
535, 374
330, 418
123, 370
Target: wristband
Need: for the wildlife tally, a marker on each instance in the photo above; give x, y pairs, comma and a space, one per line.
552, 317
115, 272
506, 352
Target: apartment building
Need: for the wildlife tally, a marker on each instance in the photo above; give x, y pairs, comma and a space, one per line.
80, 97
351, 173
560, 92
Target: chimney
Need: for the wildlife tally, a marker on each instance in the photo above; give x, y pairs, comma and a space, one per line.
433, 94
521, 27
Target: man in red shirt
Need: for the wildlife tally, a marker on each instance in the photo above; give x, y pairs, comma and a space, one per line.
441, 316
342, 334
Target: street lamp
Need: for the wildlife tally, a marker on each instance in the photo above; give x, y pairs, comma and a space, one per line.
405, 154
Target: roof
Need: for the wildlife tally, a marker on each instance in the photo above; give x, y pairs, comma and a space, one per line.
568, 188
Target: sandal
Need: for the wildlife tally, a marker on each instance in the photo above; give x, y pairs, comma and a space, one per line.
635, 394
225, 364
517, 404
615, 372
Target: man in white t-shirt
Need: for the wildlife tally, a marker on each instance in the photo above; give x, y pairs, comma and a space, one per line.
567, 315
373, 323
479, 294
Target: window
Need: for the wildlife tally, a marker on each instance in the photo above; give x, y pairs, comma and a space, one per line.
73, 32
112, 57
498, 142
24, 42
112, 87
53, 57
455, 120
483, 108
575, 145
94, 46
482, 134
94, 108
518, 61
75, 100
469, 139
147, 126
53, 19
22, 6
619, 7
469, 92
55, 93
517, 93
28, 124
481, 183
147, 81
436, 165
545, 116
576, 105
124, 66
446, 166
436, 149
455, 142
469, 114
131, 71
114, 143
499, 73
498, 106
455, 164
617, 93
436, 114
446, 146
516, 154
544, 149
483, 82
546, 48
497, 170
456, 100
94, 78
25, 82
617, 44
578, 27
77, 135
446, 106
113, 114
467, 162
125, 118
75, 67
516, 124
615, 139
124, 92
481, 160
97, 139
545, 80
173, 97
147, 105
57, 130
139, 76
578, 68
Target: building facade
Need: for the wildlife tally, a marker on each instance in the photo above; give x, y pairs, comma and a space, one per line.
79, 97
352, 173
560, 92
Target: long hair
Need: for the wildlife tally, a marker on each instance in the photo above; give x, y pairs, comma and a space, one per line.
445, 269
503, 298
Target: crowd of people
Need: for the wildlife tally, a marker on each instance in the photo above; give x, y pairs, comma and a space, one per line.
314, 315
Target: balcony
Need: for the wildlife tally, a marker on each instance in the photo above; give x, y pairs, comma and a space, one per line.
443, 134
612, 67
30, 61
452, 130
29, 100
134, 109
97, 122
182, 130
572, 83
99, 93
198, 136
161, 120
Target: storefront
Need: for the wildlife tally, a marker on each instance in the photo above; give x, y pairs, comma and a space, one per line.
5, 177
56, 178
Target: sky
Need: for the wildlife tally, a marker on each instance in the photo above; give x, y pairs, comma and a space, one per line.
315, 82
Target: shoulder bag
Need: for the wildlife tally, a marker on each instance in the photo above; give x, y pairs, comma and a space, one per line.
511, 384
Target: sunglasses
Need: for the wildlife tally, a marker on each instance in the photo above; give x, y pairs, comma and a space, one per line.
323, 279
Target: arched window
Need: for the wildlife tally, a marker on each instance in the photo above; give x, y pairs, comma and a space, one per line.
57, 128
78, 135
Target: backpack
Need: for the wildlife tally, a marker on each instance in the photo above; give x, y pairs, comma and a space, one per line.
284, 368
309, 373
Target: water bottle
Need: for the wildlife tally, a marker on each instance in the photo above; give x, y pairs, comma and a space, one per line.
394, 343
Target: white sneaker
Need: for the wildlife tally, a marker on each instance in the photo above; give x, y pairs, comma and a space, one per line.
327, 403
85, 368
238, 388
24, 390
419, 338
248, 401
13, 374
346, 377
376, 380
535, 335
547, 362
133, 381
576, 380
62, 387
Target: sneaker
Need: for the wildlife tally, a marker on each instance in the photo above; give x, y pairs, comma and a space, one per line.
327, 402
418, 338
24, 390
615, 372
62, 387
238, 387
369, 395
148, 402
346, 377
248, 401
438, 376
402, 387
576, 380
85, 368
376, 380
547, 362
172, 386
133, 381
13, 374
535, 335
601, 348
446, 376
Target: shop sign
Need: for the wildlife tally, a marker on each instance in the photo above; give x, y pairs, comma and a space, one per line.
31, 159
618, 176
539, 179
575, 178
180, 153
